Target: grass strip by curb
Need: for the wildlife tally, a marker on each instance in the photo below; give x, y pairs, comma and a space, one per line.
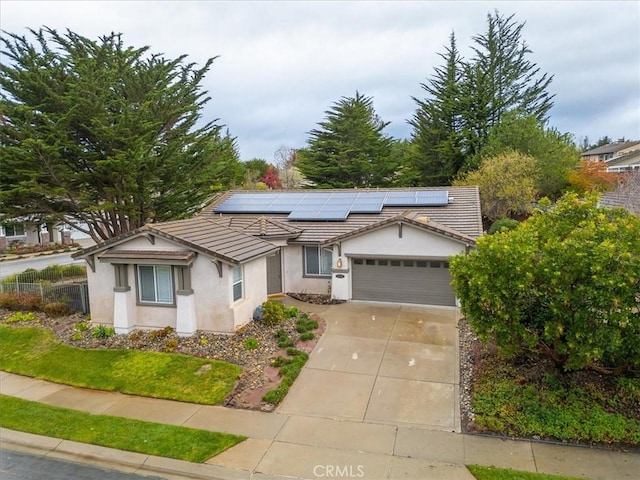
35, 352
115, 432
492, 473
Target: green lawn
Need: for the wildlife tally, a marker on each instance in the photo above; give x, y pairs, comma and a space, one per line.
36, 353
115, 432
491, 473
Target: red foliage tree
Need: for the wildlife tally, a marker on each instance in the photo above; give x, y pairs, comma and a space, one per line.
271, 179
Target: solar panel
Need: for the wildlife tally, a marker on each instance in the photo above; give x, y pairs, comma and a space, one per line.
400, 199
317, 205
432, 198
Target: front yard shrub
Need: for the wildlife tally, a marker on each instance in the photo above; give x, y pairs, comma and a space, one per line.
564, 283
162, 333
81, 326
20, 301
307, 336
291, 312
102, 331
273, 312
251, 343
19, 317
289, 370
170, 345
57, 309
503, 224
284, 341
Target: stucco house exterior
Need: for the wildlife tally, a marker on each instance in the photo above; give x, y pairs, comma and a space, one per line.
628, 162
26, 231
611, 150
211, 272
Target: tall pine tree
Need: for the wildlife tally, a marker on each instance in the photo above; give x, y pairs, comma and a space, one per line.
349, 149
436, 155
500, 79
466, 100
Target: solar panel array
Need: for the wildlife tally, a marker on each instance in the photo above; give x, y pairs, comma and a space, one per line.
332, 206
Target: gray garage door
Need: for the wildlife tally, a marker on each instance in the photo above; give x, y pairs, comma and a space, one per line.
403, 281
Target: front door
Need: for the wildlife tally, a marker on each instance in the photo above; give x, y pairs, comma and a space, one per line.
274, 274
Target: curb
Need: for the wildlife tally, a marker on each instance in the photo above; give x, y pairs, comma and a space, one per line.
110, 458
11, 258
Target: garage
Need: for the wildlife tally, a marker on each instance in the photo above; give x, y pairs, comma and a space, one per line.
402, 281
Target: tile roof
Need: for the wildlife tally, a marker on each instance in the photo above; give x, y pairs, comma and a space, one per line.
461, 215
262, 227
611, 148
200, 234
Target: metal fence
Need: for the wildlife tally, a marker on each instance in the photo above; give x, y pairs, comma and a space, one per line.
76, 295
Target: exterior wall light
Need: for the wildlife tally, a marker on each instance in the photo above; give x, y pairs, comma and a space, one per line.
339, 262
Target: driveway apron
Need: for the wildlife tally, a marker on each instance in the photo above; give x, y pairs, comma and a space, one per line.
381, 363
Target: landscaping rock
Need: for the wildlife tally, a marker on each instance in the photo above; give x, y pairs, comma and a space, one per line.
257, 378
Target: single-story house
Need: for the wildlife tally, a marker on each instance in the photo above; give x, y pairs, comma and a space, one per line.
211, 272
27, 231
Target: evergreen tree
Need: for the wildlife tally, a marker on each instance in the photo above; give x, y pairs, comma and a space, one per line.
102, 133
500, 79
437, 156
349, 149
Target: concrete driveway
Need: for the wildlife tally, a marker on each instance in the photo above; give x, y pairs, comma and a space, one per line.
382, 363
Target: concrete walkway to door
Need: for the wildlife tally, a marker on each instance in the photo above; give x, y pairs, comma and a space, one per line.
385, 364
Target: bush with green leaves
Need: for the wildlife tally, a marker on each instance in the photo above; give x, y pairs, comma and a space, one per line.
565, 283
289, 370
20, 317
102, 331
503, 224
251, 343
273, 313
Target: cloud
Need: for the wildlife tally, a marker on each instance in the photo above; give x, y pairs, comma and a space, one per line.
282, 64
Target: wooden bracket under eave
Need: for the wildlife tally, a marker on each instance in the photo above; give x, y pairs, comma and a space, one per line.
218, 265
151, 238
91, 260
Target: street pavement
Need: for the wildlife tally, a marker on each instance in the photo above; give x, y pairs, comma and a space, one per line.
378, 399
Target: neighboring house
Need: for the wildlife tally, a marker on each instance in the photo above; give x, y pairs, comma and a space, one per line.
611, 150
212, 271
28, 232
624, 163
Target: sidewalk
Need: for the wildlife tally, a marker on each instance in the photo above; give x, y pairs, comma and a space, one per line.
303, 446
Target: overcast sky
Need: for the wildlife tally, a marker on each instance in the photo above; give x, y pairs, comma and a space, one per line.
281, 65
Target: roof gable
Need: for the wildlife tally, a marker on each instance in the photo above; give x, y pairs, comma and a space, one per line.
410, 218
199, 234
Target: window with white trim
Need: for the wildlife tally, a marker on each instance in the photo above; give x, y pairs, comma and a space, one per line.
14, 230
236, 273
317, 261
155, 284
